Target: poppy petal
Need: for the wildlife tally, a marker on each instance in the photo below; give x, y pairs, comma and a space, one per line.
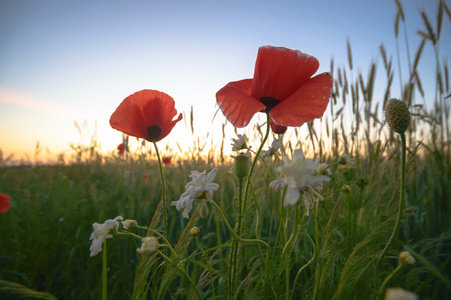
280, 71
236, 103
159, 108
128, 117
169, 125
306, 104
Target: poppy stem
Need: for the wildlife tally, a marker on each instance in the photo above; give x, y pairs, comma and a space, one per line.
254, 162
242, 207
163, 192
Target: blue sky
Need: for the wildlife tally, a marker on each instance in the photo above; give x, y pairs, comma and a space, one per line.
66, 61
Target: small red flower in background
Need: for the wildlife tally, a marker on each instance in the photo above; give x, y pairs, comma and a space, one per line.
146, 114
120, 149
282, 85
167, 161
146, 176
5, 203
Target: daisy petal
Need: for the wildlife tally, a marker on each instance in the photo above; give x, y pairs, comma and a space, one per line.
280, 71
308, 103
149, 100
236, 103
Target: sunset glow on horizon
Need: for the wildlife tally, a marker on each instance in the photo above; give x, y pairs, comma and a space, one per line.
64, 62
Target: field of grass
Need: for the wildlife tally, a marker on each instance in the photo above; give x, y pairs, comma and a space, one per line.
338, 251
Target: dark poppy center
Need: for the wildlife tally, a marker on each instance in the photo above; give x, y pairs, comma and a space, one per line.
154, 132
269, 102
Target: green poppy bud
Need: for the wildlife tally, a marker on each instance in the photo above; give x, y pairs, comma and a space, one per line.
397, 115
241, 165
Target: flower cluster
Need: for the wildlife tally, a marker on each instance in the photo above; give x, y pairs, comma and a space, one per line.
200, 184
300, 178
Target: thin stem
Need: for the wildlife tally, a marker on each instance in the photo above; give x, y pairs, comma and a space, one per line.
181, 270
283, 256
234, 251
129, 234
204, 256
257, 155
248, 241
264, 163
162, 237
317, 254
226, 223
104, 273
257, 221
401, 200
163, 192
389, 277
279, 228
311, 259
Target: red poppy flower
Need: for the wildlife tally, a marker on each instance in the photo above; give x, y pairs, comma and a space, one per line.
120, 149
5, 203
282, 85
146, 114
167, 161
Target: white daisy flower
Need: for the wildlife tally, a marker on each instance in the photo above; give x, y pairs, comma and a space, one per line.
240, 143
200, 184
298, 176
323, 168
406, 258
101, 233
398, 293
272, 151
345, 159
149, 245
129, 224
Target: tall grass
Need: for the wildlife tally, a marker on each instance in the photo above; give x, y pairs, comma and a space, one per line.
330, 254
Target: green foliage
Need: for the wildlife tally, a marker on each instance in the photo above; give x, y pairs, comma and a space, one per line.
330, 254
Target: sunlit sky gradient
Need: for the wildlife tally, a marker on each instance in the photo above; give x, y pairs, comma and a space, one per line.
66, 61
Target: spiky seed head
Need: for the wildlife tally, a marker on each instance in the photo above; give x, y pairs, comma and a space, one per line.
397, 115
